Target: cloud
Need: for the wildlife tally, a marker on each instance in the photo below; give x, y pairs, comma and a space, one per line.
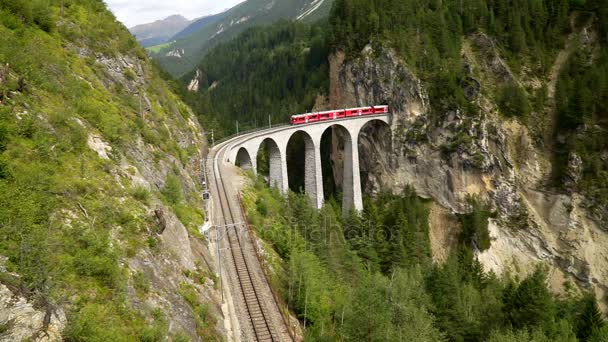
135, 12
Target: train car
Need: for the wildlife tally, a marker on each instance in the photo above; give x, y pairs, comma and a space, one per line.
337, 114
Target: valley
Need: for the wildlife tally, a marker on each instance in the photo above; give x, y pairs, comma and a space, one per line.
155, 186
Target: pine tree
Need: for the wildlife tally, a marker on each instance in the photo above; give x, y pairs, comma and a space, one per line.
530, 304
599, 335
589, 318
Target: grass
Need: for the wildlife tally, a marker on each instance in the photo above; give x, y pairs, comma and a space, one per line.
69, 218
205, 325
159, 47
141, 284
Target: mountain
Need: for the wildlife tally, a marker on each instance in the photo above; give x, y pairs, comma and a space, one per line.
183, 55
100, 168
499, 122
196, 25
159, 31
288, 58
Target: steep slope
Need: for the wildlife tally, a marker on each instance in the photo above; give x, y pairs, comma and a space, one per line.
287, 58
196, 25
100, 204
479, 116
469, 122
159, 31
183, 55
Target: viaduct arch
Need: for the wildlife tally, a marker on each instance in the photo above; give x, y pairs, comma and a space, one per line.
243, 152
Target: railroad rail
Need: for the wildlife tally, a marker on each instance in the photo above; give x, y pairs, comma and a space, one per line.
248, 285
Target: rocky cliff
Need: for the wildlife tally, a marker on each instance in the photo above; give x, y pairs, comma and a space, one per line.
451, 156
100, 206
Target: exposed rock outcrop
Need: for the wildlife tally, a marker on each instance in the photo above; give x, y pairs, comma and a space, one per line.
162, 262
194, 84
481, 155
21, 320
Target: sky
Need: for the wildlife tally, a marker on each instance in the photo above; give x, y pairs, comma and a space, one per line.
135, 12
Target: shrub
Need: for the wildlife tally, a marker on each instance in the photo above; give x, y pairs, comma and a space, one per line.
190, 217
9, 20
513, 101
599, 335
23, 9
42, 17
3, 169
95, 322
181, 337
129, 75
261, 207
3, 137
172, 191
30, 12
6, 326
474, 225
141, 194
94, 258
157, 331
140, 283
204, 323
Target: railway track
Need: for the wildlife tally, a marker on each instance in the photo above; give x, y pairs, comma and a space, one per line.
250, 288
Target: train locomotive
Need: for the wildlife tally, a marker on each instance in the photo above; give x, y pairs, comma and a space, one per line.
337, 114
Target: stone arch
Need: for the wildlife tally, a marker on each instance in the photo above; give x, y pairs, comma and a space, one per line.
343, 140
375, 146
277, 168
243, 159
304, 160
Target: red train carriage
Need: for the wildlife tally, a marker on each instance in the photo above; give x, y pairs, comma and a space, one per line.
337, 114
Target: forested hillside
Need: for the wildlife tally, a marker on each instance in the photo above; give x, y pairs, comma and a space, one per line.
369, 277
277, 70
99, 170
487, 69
430, 37
529, 34
183, 55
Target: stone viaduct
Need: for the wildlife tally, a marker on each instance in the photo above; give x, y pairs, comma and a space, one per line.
243, 150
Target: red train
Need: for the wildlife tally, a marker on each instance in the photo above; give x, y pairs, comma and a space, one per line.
337, 114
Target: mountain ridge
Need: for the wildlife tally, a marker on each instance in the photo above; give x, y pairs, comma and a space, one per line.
196, 25
182, 56
159, 31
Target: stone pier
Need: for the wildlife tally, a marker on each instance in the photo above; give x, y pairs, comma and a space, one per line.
244, 150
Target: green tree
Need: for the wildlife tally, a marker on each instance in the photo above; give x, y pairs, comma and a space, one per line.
599, 335
589, 319
474, 225
513, 101
529, 304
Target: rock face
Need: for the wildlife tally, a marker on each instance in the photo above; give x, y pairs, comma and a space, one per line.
194, 84
21, 320
177, 257
485, 156
174, 256
374, 80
